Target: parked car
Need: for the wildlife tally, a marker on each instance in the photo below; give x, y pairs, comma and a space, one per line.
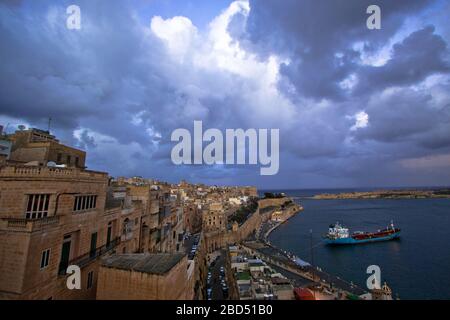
225, 291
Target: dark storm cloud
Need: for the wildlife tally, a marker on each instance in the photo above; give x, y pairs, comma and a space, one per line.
85, 141
312, 32
106, 71
319, 38
402, 114
421, 54
118, 89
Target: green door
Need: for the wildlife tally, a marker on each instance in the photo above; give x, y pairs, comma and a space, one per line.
93, 244
65, 255
108, 236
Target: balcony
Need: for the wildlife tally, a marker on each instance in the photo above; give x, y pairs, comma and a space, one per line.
127, 211
19, 171
86, 259
28, 225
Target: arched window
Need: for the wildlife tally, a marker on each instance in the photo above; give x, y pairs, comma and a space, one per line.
126, 226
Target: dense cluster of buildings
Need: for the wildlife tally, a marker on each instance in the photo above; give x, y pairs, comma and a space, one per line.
120, 232
256, 280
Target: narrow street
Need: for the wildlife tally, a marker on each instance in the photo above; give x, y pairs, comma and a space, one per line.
216, 277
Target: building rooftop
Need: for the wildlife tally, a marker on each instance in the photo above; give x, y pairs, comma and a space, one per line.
157, 263
245, 275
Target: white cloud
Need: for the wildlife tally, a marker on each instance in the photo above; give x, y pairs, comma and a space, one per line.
216, 54
350, 82
178, 33
361, 120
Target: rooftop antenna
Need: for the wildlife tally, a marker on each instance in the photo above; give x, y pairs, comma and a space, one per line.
49, 123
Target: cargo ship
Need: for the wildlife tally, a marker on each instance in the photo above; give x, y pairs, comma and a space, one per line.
338, 234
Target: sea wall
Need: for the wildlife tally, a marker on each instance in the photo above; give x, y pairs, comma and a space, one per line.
220, 239
272, 202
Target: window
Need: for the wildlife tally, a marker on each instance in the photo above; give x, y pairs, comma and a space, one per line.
90, 279
84, 203
59, 157
69, 159
77, 160
37, 206
45, 257
127, 226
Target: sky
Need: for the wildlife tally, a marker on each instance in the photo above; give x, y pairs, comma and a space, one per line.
354, 107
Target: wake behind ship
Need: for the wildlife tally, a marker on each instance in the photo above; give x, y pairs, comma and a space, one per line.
338, 234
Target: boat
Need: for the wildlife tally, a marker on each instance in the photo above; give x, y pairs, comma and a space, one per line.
338, 234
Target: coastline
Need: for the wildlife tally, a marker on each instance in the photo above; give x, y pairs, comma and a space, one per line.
386, 194
307, 271
268, 232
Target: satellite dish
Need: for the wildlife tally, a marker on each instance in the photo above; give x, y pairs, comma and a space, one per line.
21, 127
51, 164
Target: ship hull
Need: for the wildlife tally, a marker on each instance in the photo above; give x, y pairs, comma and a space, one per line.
351, 240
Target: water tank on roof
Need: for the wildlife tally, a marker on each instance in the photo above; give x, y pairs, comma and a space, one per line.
32, 164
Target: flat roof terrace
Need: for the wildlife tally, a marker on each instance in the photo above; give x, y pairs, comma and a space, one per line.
157, 263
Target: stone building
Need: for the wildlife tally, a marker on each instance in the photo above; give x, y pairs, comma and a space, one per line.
151, 198
5, 146
53, 217
158, 276
39, 145
214, 218
192, 217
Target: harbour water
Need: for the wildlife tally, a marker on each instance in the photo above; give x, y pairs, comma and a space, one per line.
416, 266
